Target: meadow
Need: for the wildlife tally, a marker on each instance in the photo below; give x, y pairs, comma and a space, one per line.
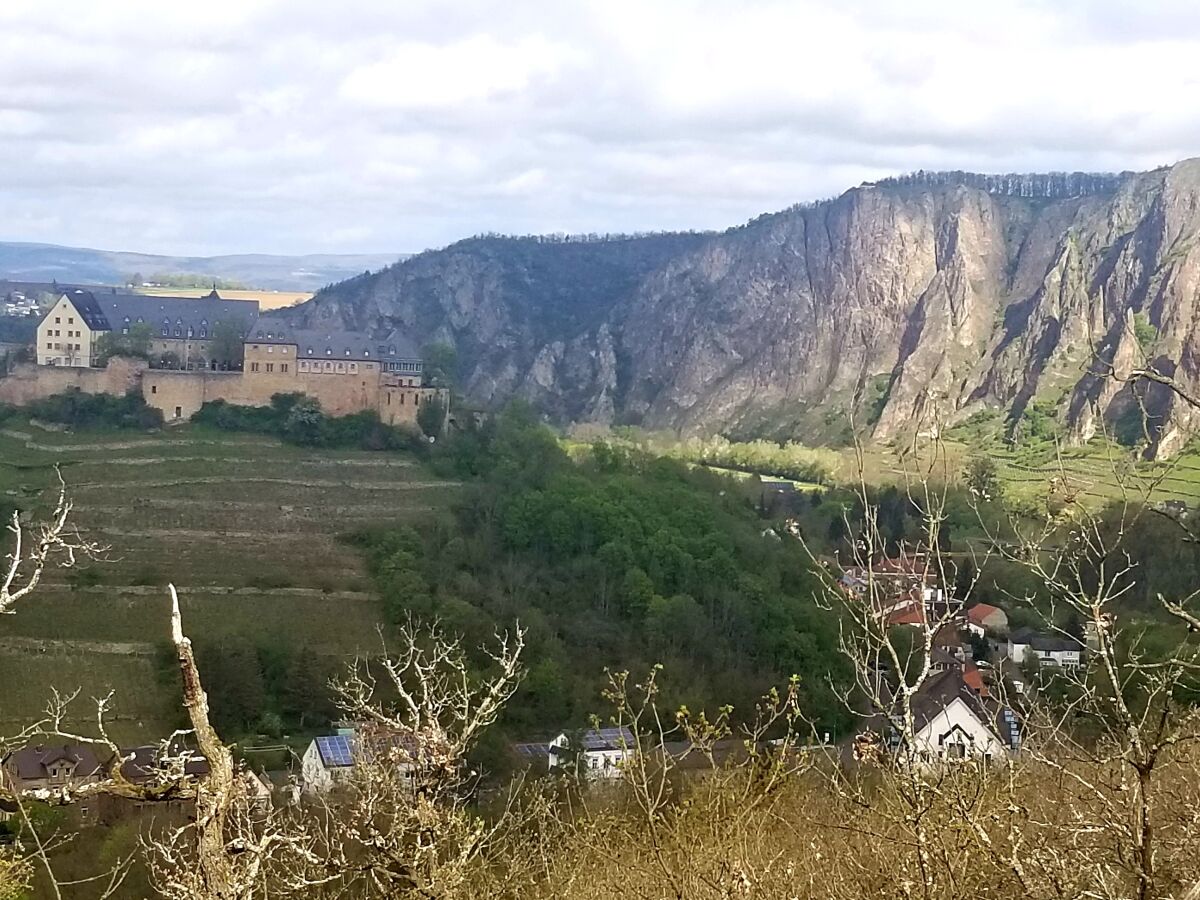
246, 527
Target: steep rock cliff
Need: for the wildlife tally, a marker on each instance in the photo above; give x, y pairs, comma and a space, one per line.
931, 296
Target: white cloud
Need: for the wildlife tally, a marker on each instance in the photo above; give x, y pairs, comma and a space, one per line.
298, 125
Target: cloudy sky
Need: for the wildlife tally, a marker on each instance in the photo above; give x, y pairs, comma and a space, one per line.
213, 126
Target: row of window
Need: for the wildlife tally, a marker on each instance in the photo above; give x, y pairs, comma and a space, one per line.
50, 346
56, 332
58, 320
404, 367
416, 399
339, 367
270, 367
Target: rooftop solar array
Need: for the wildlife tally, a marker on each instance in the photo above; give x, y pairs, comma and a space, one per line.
607, 739
335, 750
532, 751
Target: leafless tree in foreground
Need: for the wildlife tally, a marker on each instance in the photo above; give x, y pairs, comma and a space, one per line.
54, 542
406, 825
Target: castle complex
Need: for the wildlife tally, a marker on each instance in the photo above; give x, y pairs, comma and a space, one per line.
210, 349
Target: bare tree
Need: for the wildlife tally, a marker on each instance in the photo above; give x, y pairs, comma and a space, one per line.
54, 542
405, 826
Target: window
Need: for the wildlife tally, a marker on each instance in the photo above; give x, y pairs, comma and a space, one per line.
270, 367
283, 367
341, 367
203, 332
329, 351
154, 388
70, 320
310, 351
283, 350
270, 349
328, 367
353, 367
49, 346
178, 412
178, 332
253, 367
347, 352
57, 320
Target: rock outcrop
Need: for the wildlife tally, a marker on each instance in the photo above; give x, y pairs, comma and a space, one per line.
905, 304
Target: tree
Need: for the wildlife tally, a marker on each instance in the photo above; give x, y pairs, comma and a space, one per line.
440, 364
227, 348
982, 478
432, 416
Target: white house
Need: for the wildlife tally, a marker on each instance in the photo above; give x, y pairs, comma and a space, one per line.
1054, 650
600, 755
953, 722
328, 761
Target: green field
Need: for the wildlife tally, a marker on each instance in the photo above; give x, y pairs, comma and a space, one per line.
1097, 473
246, 527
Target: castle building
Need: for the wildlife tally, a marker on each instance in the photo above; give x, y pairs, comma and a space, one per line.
345, 371
183, 328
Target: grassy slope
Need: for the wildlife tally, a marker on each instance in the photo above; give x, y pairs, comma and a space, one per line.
244, 526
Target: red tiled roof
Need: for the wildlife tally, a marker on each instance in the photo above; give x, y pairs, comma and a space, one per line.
981, 611
913, 615
973, 678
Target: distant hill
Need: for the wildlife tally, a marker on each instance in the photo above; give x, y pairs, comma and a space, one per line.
49, 262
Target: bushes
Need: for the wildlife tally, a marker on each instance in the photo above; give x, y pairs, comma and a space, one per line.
80, 410
299, 420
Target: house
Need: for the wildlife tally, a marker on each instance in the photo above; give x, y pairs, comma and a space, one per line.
58, 767
331, 760
331, 353
180, 327
599, 754
983, 618
952, 721
1055, 650
328, 762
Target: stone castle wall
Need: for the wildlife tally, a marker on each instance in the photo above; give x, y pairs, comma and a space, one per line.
29, 382
181, 394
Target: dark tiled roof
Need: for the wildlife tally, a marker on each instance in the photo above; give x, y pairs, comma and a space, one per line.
143, 767
89, 309
1044, 643
938, 692
333, 344
110, 310
30, 762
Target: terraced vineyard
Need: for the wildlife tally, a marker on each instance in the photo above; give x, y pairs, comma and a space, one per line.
244, 526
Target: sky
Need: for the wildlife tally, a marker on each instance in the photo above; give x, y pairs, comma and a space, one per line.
292, 126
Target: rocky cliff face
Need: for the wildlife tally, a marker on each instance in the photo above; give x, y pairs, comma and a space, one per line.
909, 304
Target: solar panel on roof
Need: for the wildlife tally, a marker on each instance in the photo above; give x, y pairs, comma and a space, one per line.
335, 750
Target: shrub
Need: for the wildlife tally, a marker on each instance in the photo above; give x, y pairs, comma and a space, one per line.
79, 410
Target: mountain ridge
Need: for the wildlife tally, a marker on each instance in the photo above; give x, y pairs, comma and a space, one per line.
942, 294
31, 261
